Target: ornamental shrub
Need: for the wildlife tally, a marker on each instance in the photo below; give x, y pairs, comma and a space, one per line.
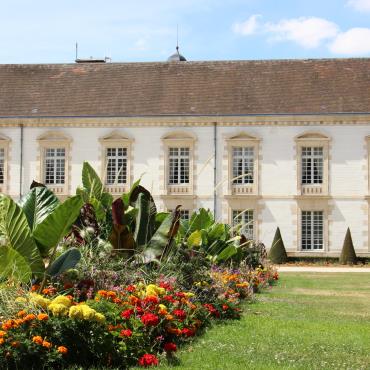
348, 255
277, 253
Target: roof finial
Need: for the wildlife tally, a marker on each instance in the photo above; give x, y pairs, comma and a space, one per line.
177, 37
177, 57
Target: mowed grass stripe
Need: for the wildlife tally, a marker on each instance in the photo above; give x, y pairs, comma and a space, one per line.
307, 321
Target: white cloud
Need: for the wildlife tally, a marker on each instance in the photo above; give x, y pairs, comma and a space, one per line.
248, 27
360, 5
355, 41
308, 32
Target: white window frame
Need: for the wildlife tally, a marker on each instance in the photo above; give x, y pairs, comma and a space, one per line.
312, 226
243, 140
117, 139
244, 161
53, 156
313, 140
120, 170
5, 146
178, 140
55, 140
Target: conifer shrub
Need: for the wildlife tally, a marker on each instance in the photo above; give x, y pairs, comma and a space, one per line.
348, 255
277, 253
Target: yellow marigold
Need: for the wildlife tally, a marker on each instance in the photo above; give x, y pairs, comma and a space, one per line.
63, 350
189, 294
162, 307
242, 285
21, 300
155, 290
99, 317
75, 312
61, 299
37, 339
42, 316
58, 309
87, 312
46, 344
39, 300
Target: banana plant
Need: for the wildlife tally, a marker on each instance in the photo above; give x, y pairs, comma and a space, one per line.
32, 230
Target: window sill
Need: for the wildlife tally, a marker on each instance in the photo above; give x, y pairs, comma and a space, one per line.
116, 189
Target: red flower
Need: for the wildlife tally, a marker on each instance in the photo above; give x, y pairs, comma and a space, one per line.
225, 307
151, 299
130, 288
149, 319
169, 298
166, 285
127, 314
180, 295
148, 360
170, 347
126, 333
187, 332
180, 314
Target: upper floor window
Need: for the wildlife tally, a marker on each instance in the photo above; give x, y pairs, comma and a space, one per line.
54, 149
243, 165
116, 162
55, 161
312, 230
244, 220
2, 165
179, 165
312, 165
116, 159
242, 153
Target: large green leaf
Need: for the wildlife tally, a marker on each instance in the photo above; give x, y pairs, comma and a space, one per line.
68, 260
13, 264
227, 253
37, 204
142, 224
91, 181
57, 224
163, 237
14, 227
195, 239
201, 220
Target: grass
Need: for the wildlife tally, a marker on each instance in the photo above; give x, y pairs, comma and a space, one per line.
308, 321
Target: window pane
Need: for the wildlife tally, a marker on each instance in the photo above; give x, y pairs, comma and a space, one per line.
243, 165
312, 165
245, 220
179, 165
55, 166
312, 230
116, 159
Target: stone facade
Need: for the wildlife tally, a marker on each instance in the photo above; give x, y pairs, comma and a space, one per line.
276, 195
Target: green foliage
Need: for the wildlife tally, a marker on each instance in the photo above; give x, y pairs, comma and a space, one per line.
37, 204
64, 262
57, 224
277, 253
17, 233
14, 265
348, 254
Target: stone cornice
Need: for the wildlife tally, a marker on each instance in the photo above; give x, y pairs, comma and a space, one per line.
183, 121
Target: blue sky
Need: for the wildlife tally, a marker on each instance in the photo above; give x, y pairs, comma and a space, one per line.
40, 31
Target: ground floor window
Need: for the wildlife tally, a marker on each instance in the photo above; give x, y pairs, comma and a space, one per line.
312, 237
184, 214
244, 220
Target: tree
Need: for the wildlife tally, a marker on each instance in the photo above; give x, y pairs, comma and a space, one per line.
277, 253
348, 255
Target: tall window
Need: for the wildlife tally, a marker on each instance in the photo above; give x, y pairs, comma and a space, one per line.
2, 165
243, 165
55, 165
312, 230
312, 165
246, 220
179, 166
184, 214
116, 161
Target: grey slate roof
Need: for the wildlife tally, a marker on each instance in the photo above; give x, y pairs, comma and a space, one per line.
186, 88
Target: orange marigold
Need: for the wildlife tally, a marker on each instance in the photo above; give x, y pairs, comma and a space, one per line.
35, 288
37, 339
2, 341
63, 350
29, 317
15, 344
46, 344
21, 313
42, 316
2, 333
169, 317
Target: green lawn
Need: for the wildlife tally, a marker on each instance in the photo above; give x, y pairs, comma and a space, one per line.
307, 321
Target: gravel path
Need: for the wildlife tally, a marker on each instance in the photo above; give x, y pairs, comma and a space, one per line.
322, 269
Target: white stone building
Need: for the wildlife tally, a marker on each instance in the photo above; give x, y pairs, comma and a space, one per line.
284, 141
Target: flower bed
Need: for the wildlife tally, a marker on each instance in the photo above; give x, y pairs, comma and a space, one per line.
136, 324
